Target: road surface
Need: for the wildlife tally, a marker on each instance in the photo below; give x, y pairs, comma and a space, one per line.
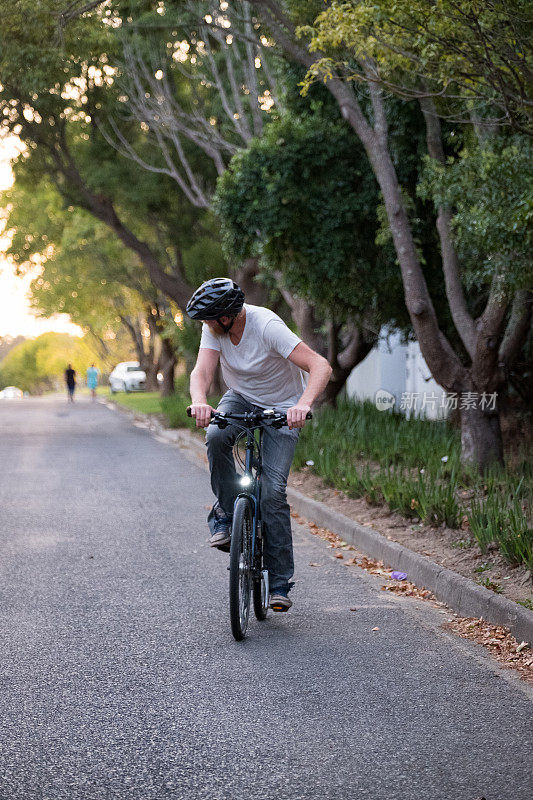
119, 677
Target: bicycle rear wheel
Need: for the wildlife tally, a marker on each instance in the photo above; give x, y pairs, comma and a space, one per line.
240, 568
260, 595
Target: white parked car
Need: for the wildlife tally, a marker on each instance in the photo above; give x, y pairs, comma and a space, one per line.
127, 377
11, 393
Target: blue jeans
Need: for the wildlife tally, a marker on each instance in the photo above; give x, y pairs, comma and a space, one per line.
278, 451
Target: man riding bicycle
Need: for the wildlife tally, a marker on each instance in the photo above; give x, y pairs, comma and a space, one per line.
263, 364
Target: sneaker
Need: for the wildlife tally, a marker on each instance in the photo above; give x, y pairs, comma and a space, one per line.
279, 600
222, 529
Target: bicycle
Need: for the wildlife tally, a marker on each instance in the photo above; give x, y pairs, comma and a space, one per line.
247, 575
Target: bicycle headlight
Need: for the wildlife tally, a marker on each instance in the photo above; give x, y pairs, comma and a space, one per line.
246, 480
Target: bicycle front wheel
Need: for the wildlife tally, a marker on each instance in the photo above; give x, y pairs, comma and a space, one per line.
240, 568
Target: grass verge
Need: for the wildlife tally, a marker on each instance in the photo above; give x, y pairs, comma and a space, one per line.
174, 407
144, 402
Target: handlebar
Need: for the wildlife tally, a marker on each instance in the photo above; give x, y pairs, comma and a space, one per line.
223, 418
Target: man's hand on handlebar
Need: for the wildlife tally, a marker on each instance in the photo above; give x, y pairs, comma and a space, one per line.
202, 412
297, 415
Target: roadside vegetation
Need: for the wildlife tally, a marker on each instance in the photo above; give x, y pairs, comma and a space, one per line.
173, 409
414, 467
38, 365
143, 402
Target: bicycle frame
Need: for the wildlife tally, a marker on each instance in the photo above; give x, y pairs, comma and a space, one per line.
255, 482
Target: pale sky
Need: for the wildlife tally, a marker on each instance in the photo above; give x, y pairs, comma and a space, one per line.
16, 318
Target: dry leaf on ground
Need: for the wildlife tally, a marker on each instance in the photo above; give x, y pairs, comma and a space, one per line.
501, 643
498, 640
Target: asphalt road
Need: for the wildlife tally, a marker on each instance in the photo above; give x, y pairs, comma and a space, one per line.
119, 677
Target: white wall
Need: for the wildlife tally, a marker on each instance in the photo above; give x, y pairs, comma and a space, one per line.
401, 370
430, 395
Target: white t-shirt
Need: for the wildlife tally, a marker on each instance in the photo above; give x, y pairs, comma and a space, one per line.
258, 367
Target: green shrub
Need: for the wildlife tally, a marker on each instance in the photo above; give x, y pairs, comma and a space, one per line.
414, 467
174, 407
500, 518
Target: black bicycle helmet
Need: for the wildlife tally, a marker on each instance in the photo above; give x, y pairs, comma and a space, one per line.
219, 297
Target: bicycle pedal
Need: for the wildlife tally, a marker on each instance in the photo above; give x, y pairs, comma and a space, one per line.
279, 608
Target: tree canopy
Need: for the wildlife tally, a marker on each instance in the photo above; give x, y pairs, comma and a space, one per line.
38, 365
322, 240
475, 57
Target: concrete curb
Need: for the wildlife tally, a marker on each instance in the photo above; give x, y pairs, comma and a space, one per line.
462, 595
466, 598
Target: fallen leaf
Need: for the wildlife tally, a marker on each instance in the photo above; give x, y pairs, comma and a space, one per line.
498, 640
376, 628
339, 555
313, 564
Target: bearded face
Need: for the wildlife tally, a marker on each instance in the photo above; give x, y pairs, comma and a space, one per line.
217, 328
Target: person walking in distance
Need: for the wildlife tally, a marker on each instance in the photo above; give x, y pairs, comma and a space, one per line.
265, 365
70, 380
92, 380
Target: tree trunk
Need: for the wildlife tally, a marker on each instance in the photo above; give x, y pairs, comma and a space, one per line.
463, 320
173, 286
255, 293
356, 350
359, 344
334, 388
149, 358
442, 361
303, 314
146, 360
150, 369
481, 438
167, 367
